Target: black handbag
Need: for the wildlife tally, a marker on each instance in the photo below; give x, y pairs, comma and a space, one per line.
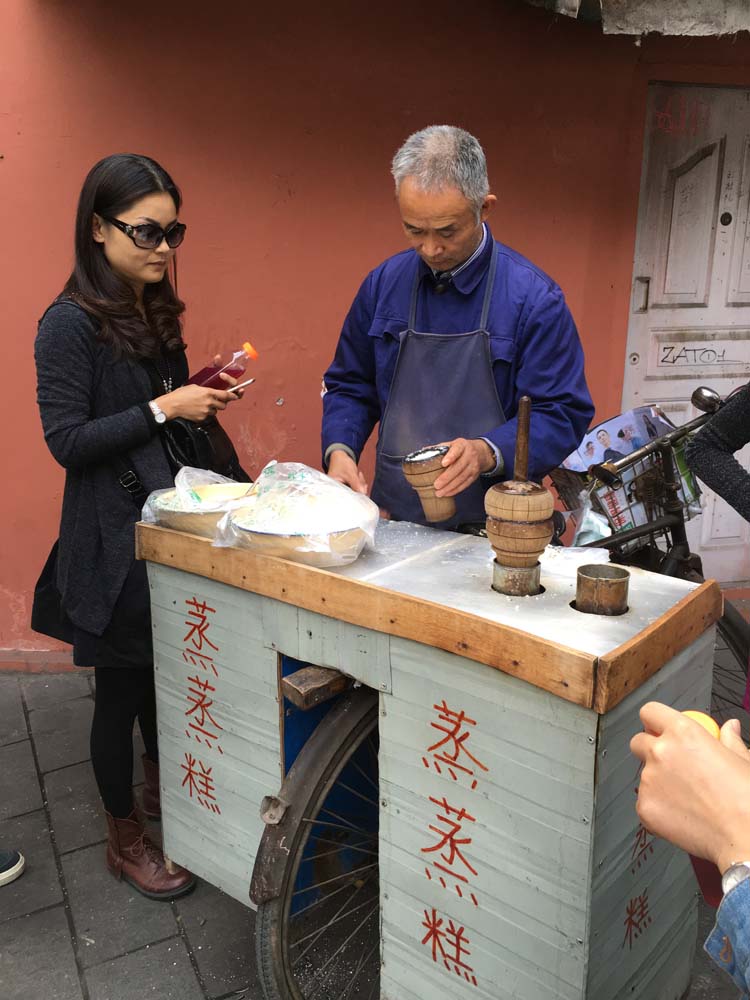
47, 615
201, 446
204, 445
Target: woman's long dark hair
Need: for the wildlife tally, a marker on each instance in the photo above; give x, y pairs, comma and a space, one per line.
111, 187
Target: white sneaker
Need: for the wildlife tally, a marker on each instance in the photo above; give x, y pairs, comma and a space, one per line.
12, 864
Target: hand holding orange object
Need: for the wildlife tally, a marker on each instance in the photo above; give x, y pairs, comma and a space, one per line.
694, 789
710, 725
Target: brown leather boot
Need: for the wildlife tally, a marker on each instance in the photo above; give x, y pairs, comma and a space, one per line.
151, 794
132, 856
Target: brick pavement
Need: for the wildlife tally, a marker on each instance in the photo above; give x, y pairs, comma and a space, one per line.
68, 930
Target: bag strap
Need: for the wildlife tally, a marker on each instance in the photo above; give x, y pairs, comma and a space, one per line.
129, 481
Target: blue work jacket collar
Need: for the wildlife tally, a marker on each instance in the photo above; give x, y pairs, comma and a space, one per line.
467, 279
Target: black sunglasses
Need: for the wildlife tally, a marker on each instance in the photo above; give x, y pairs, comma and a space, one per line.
149, 236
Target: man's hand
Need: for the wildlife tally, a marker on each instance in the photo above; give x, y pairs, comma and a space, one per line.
694, 790
465, 461
344, 469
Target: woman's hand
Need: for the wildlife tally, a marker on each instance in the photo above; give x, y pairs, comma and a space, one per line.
694, 790
195, 402
230, 381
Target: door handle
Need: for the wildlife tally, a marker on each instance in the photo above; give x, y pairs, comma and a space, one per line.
641, 288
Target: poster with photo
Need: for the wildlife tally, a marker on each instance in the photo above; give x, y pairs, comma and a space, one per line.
616, 438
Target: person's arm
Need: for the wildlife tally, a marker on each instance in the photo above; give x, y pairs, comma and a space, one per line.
65, 352
728, 944
550, 370
350, 404
694, 791
710, 453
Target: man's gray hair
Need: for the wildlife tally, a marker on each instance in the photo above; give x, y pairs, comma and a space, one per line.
441, 156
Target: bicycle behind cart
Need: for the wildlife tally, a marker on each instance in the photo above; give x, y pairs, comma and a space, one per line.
646, 499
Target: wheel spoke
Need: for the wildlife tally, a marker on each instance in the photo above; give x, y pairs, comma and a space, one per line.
365, 775
318, 902
353, 791
339, 847
360, 965
340, 949
336, 878
335, 919
336, 826
347, 823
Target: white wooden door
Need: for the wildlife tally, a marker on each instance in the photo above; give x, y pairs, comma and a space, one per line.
690, 309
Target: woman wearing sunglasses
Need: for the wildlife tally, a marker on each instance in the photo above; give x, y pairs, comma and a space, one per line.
110, 338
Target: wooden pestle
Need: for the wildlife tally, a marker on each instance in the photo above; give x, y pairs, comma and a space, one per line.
519, 512
521, 464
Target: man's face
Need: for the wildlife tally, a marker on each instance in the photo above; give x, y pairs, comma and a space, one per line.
442, 226
603, 436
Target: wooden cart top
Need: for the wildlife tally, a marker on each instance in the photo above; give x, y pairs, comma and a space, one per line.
434, 587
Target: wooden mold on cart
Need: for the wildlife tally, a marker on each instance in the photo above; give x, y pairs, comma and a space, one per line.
498, 810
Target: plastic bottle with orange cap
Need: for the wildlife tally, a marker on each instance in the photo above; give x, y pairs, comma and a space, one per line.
210, 376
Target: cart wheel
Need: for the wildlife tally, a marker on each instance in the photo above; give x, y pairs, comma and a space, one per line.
730, 668
319, 937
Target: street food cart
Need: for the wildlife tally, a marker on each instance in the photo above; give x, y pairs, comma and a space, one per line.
479, 824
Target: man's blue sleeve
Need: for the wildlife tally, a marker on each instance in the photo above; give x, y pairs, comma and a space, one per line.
728, 944
350, 406
550, 370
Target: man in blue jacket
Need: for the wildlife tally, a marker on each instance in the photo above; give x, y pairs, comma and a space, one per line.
442, 341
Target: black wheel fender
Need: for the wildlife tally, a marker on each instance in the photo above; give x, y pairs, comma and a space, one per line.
307, 772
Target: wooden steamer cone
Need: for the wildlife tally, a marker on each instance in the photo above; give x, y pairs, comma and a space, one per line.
421, 469
519, 520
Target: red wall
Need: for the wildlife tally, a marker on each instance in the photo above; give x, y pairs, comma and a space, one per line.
279, 123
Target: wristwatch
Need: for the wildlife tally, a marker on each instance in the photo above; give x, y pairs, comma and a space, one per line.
159, 415
737, 872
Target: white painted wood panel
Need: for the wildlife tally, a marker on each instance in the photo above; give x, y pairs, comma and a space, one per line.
212, 788
359, 652
643, 895
690, 315
530, 834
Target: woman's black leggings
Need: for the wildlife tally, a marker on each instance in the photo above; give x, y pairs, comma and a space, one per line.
123, 695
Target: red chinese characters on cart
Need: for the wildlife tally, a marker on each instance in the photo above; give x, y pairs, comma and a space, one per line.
451, 755
451, 860
637, 916
448, 851
448, 944
643, 848
202, 726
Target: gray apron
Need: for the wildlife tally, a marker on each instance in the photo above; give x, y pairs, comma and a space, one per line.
443, 387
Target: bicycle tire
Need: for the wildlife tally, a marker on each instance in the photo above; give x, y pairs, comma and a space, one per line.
730, 667
272, 935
